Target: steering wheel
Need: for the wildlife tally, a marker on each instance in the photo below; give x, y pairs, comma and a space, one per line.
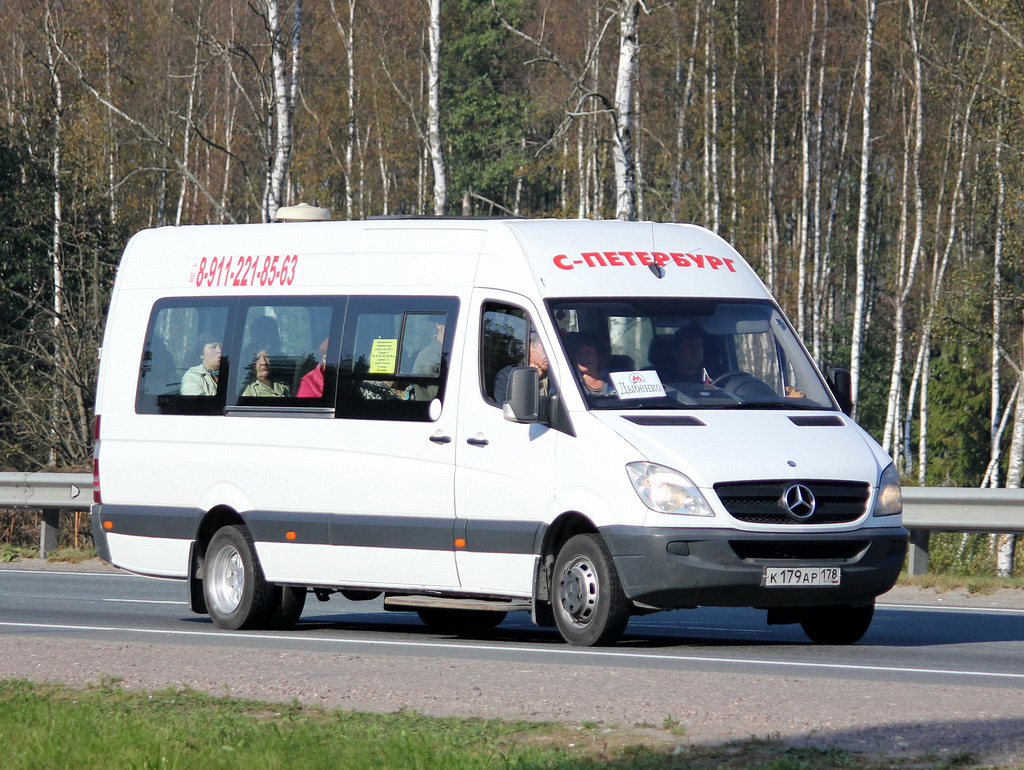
721, 380
744, 386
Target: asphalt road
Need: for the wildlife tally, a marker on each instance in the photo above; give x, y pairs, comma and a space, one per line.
936, 675
920, 643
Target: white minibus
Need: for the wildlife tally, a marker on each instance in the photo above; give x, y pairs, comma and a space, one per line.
586, 420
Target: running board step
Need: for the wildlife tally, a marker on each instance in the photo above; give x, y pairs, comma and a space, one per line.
398, 603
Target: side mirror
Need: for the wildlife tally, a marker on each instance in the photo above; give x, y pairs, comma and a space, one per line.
522, 400
841, 384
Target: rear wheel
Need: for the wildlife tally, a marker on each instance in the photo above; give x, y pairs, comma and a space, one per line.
237, 595
837, 625
589, 604
459, 621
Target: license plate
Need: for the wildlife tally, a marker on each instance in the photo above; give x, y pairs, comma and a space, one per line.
801, 576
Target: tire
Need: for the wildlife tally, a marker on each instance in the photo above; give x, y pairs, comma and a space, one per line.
837, 625
589, 604
237, 595
287, 603
460, 621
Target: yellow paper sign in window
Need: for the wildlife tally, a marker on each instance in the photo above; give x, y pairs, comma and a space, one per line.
383, 356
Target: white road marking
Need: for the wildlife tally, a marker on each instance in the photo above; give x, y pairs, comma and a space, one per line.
64, 573
144, 601
565, 652
949, 608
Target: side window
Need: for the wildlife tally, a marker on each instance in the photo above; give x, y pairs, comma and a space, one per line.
185, 364
286, 356
395, 355
508, 338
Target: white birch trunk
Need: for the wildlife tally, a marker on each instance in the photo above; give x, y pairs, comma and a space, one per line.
285, 83
806, 124
56, 246
860, 254
997, 287
186, 139
712, 100
348, 39
581, 172
733, 125
111, 137
622, 147
434, 110
353, 134
908, 275
1007, 544
683, 93
818, 270
773, 231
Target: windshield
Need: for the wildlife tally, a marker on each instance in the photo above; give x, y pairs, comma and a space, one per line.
686, 353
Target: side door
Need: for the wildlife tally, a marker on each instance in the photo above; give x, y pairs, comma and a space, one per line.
504, 470
394, 461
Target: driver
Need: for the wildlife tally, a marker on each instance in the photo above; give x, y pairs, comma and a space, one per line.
688, 356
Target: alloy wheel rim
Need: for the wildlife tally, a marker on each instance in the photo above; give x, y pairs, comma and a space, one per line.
228, 575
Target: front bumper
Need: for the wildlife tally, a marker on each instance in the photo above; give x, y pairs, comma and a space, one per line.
671, 568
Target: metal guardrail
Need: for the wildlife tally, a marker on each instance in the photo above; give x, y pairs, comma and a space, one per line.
50, 492
925, 509
957, 509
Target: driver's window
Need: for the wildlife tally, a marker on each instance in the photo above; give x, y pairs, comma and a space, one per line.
508, 339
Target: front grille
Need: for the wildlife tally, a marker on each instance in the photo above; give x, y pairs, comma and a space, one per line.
761, 502
798, 550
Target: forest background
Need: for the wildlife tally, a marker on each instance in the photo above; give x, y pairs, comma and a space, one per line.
864, 156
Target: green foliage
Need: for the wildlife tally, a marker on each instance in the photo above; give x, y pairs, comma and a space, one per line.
25, 226
967, 555
958, 419
485, 110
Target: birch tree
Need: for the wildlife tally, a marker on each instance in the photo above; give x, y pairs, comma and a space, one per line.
860, 253
908, 264
434, 109
57, 244
806, 125
622, 147
1006, 545
284, 84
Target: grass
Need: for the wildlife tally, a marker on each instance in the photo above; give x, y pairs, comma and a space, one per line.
50, 726
72, 555
973, 584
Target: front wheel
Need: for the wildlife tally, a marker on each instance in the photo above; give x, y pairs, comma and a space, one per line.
589, 605
286, 607
237, 595
837, 625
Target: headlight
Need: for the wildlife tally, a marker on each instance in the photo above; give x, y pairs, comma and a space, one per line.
667, 491
890, 494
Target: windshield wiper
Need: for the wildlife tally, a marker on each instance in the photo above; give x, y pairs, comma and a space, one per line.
781, 405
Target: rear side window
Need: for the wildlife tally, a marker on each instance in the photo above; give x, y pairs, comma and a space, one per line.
186, 362
287, 354
395, 356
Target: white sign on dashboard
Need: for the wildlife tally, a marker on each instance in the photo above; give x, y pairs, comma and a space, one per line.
644, 384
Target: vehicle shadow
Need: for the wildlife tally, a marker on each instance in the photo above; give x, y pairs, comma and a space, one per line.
702, 628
